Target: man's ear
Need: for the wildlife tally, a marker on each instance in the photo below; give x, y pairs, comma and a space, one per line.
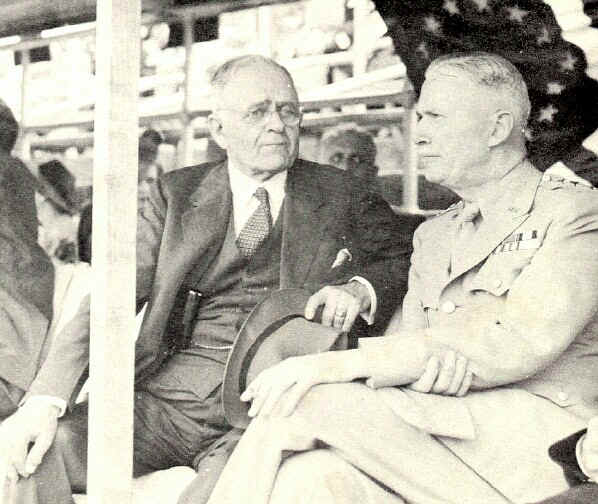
501, 128
215, 127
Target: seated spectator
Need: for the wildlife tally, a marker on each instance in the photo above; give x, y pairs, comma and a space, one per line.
149, 170
56, 211
352, 149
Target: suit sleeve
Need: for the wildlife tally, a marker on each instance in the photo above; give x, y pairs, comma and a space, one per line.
381, 246
548, 304
564, 453
68, 359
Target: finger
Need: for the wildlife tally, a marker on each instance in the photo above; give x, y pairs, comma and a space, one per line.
352, 313
273, 398
293, 397
258, 401
467, 380
460, 370
37, 452
313, 303
447, 371
18, 455
250, 392
426, 380
329, 311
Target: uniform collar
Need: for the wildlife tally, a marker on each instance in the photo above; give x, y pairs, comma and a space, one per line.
512, 195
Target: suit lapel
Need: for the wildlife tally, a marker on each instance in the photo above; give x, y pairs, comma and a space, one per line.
204, 223
503, 217
305, 217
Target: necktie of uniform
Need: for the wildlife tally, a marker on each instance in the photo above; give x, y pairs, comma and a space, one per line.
258, 227
466, 228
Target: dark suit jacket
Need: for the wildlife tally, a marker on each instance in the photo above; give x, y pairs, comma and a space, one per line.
26, 277
582, 491
184, 226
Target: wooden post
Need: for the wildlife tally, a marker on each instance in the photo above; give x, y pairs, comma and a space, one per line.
113, 250
410, 172
24, 147
186, 154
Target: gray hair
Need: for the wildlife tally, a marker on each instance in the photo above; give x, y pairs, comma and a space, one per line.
491, 71
225, 72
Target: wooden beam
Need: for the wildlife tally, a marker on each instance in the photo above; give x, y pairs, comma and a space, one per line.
113, 250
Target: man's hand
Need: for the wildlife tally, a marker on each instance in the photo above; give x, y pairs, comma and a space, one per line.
278, 390
34, 422
342, 304
451, 377
589, 450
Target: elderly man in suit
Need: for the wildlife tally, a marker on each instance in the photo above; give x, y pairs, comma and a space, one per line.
214, 241
495, 356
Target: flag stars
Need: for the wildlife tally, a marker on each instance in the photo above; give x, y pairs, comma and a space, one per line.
568, 63
482, 5
554, 88
544, 37
432, 25
516, 14
547, 113
451, 7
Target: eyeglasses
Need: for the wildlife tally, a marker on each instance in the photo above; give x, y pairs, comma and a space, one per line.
341, 157
289, 113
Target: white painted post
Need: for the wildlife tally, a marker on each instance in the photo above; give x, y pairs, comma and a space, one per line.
410, 172
114, 223
186, 155
24, 147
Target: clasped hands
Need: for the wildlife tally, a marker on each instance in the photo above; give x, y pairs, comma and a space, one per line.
278, 389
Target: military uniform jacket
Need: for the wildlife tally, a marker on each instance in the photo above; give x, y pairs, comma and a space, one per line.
521, 303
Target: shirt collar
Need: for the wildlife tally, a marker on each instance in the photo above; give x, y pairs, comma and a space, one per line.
243, 186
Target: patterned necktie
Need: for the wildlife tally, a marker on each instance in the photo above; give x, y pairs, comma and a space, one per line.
464, 232
258, 227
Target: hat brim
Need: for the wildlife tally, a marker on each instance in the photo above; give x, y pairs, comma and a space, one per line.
265, 318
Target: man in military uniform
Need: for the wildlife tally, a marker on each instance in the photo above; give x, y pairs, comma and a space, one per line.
496, 355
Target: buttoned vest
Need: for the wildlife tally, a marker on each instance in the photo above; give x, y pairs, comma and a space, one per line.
232, 286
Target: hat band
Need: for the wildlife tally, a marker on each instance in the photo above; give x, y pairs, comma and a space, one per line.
256, 346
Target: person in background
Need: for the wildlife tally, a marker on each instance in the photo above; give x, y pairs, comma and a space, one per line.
149, 169
57, 211
352, 149
26, 280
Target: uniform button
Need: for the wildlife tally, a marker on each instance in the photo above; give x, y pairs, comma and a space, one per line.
563, 396
497, 283
448, 307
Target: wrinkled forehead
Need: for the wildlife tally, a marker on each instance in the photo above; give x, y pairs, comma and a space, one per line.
255, 84
451, 87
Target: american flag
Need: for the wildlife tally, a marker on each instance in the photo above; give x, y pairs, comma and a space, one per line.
564, 99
